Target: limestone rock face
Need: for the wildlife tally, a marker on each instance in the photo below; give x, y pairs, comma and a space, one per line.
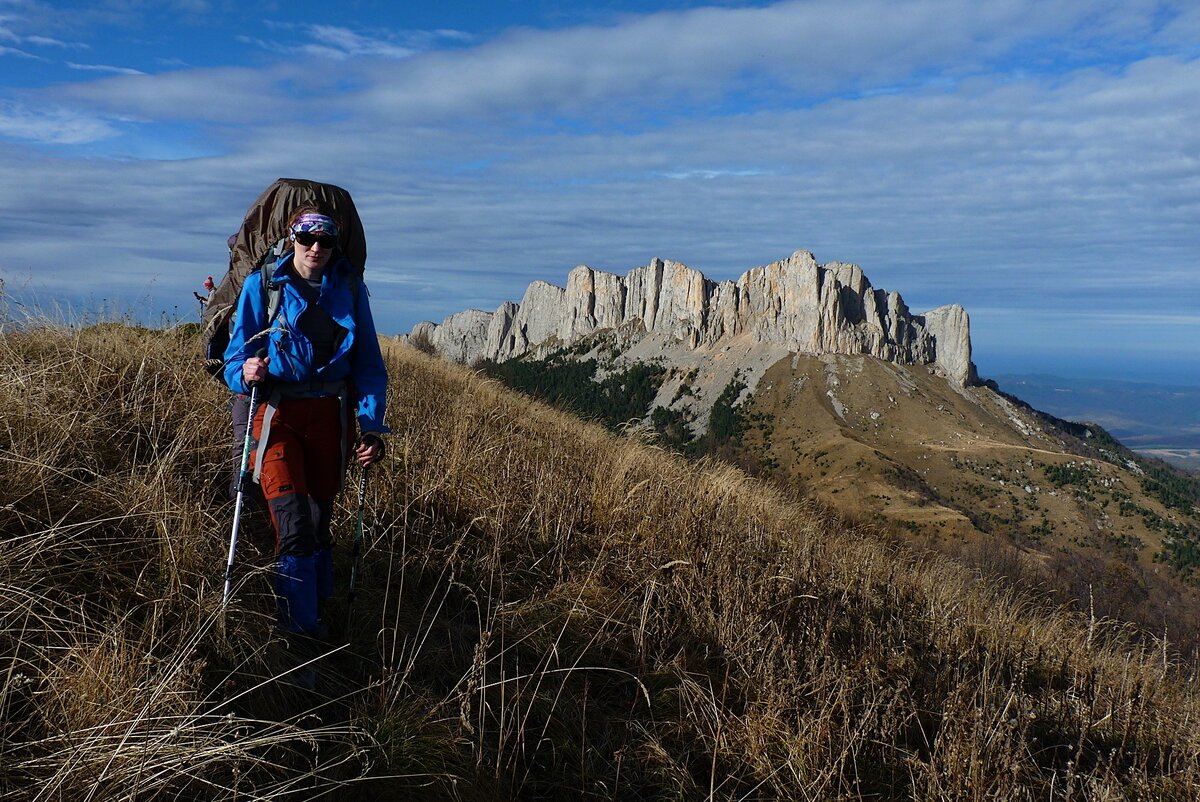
423, 328
794, 303
500, 339
461, 336
950, 328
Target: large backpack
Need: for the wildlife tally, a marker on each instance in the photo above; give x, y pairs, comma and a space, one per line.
259, 242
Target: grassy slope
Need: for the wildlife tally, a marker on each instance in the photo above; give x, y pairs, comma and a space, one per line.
951, 470
547, 611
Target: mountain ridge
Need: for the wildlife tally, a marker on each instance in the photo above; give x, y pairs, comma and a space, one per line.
794, 303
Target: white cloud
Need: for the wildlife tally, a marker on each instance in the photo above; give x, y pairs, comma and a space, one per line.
1183, 28
228, 95
787, 52
344, 43
46, 41
11, 27
711, 173
699, 62
337, 43
104, 68
56, 126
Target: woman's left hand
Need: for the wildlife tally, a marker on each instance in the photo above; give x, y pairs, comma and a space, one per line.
369, 450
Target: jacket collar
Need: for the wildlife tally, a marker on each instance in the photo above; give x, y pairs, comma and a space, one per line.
282, 272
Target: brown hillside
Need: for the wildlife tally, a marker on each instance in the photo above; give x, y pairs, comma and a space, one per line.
977, 476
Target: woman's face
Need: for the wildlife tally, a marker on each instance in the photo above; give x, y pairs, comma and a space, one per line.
311, 259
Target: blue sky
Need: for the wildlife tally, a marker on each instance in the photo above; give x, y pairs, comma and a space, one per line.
1037, 162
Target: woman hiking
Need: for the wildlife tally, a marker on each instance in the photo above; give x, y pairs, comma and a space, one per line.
323, 373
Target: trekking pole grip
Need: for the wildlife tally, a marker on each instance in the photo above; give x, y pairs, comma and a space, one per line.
255, 398
261, 353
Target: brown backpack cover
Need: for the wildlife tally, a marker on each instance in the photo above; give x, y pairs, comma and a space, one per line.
264, 225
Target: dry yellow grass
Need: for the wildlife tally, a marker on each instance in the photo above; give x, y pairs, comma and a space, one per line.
545, 611
968, 474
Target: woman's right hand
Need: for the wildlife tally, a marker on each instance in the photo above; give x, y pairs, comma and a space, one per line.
254, 369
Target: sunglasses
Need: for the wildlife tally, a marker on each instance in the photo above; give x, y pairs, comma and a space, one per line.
307, 239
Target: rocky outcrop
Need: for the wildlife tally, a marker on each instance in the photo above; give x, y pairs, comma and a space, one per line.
950, 329
461, 337
794, 303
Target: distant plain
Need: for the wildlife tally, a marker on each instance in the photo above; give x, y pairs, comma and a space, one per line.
1158, 420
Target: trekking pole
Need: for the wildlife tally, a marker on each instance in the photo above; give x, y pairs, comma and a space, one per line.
358, 536
243, 476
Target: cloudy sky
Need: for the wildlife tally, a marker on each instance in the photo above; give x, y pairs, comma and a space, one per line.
1037, 162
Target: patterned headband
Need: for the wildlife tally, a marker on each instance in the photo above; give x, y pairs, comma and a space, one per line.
315, 224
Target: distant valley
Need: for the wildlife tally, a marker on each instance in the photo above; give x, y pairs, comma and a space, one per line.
1153, 419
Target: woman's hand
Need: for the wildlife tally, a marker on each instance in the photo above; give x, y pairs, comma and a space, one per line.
368, 450
255, 369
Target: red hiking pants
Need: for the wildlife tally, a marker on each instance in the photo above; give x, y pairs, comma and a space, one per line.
303, 468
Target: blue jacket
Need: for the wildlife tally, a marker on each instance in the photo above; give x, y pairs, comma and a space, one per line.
357, 360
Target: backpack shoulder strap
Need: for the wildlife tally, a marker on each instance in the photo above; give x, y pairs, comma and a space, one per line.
272, 292
355, 289
272, 297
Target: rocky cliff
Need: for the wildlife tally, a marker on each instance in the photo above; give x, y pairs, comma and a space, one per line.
794, 303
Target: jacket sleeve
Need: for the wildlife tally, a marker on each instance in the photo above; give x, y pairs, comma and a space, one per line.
369, 372
249, 320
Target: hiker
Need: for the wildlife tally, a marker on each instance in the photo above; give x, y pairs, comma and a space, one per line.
322, 372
